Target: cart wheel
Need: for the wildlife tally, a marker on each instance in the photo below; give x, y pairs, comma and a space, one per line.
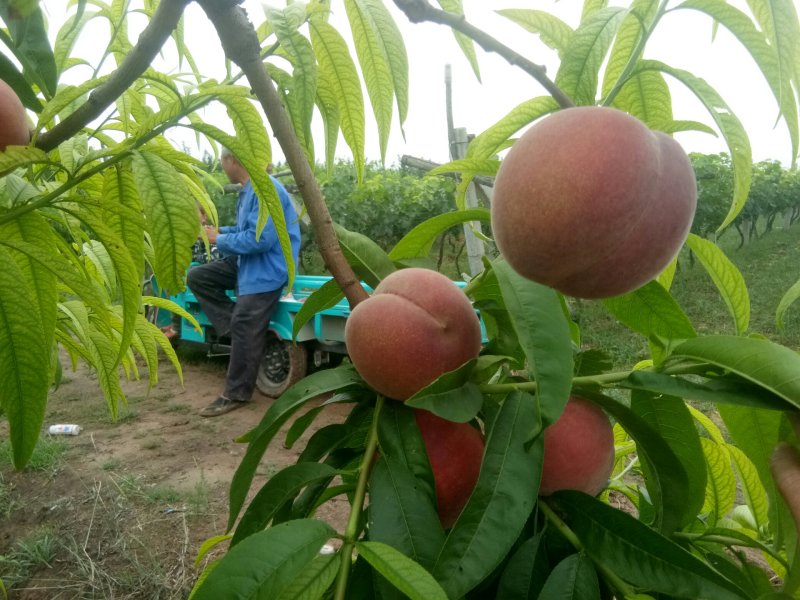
283, 365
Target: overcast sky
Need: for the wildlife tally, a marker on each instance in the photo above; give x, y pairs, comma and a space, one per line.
683, 40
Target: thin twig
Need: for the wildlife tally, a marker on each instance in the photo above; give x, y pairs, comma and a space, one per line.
419, 11
164, 21
241, 46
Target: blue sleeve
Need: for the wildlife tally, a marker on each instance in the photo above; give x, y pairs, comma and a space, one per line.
227, 229
242, 240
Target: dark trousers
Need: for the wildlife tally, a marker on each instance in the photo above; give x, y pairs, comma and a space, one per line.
246, 321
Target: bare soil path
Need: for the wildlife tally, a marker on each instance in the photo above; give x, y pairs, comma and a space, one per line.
120, 510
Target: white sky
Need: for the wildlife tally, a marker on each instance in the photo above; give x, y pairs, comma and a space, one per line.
683, 40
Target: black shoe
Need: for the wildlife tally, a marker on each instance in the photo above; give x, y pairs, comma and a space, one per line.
220, 406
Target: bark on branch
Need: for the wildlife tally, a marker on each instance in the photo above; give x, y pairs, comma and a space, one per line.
240, 43
419, 11
164, 21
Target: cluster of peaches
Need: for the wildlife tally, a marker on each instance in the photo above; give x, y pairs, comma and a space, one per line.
590, 202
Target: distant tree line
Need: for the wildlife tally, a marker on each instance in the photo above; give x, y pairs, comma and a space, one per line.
774, 193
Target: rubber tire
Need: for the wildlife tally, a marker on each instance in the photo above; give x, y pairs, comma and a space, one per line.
295, 358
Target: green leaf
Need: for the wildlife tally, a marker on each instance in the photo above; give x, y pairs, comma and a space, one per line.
720, 389
651, 311
265, 564
119, 190
279, 489
756, 433
726, 277
303, 93
391, 39
667, 481
774, 367
23, 351
501, 502
468, 166
670, 417
400, 438
491, 141
451, 396
207, 546
721, 486
336, 67
730, 126
640, 555
171, 216
66, 96
20, 156
755, 495
66, 37
789, 298
125, 271
405, 574
314, 580
526, 571
278, 413
577, 75
401, 514
771, 52
554, 32
467, 47
646, 96
369, 260
375, 66
326, 296
641, 15
418, 242
574, 578
543, 332
31, 47
11, 75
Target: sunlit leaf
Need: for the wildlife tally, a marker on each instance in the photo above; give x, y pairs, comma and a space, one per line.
578, 73
553, 31
730, 126
265, 564
337, 67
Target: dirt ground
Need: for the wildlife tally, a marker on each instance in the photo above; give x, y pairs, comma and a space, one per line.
120, 510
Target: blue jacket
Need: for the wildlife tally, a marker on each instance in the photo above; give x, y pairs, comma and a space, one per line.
262, 267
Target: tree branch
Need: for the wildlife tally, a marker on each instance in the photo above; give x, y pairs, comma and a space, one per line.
419, 11
240, 42
160, 27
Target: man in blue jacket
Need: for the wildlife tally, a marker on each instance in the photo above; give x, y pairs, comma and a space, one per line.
256, 270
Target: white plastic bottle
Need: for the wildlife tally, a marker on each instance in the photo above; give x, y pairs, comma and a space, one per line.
65, 429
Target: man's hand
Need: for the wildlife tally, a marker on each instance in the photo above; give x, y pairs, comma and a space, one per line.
786, 471
211, 233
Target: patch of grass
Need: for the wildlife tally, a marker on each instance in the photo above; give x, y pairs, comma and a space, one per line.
163, 495
151, 444
47, 455
164, 395
28, 555
769, 265
7, 501
126, 415
111, 465
180, 409
197, 498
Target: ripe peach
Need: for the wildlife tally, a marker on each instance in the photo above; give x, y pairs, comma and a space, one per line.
578, 450
416, 326
13, 119
455, 451
591, 202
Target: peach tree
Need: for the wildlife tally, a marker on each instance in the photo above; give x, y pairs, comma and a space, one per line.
442, 477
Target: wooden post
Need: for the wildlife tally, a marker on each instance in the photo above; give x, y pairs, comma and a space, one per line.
475, 249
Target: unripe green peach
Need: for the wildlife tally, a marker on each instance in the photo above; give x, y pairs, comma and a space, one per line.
578, 450
416, 326
591, 202
13, 119
455, 451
